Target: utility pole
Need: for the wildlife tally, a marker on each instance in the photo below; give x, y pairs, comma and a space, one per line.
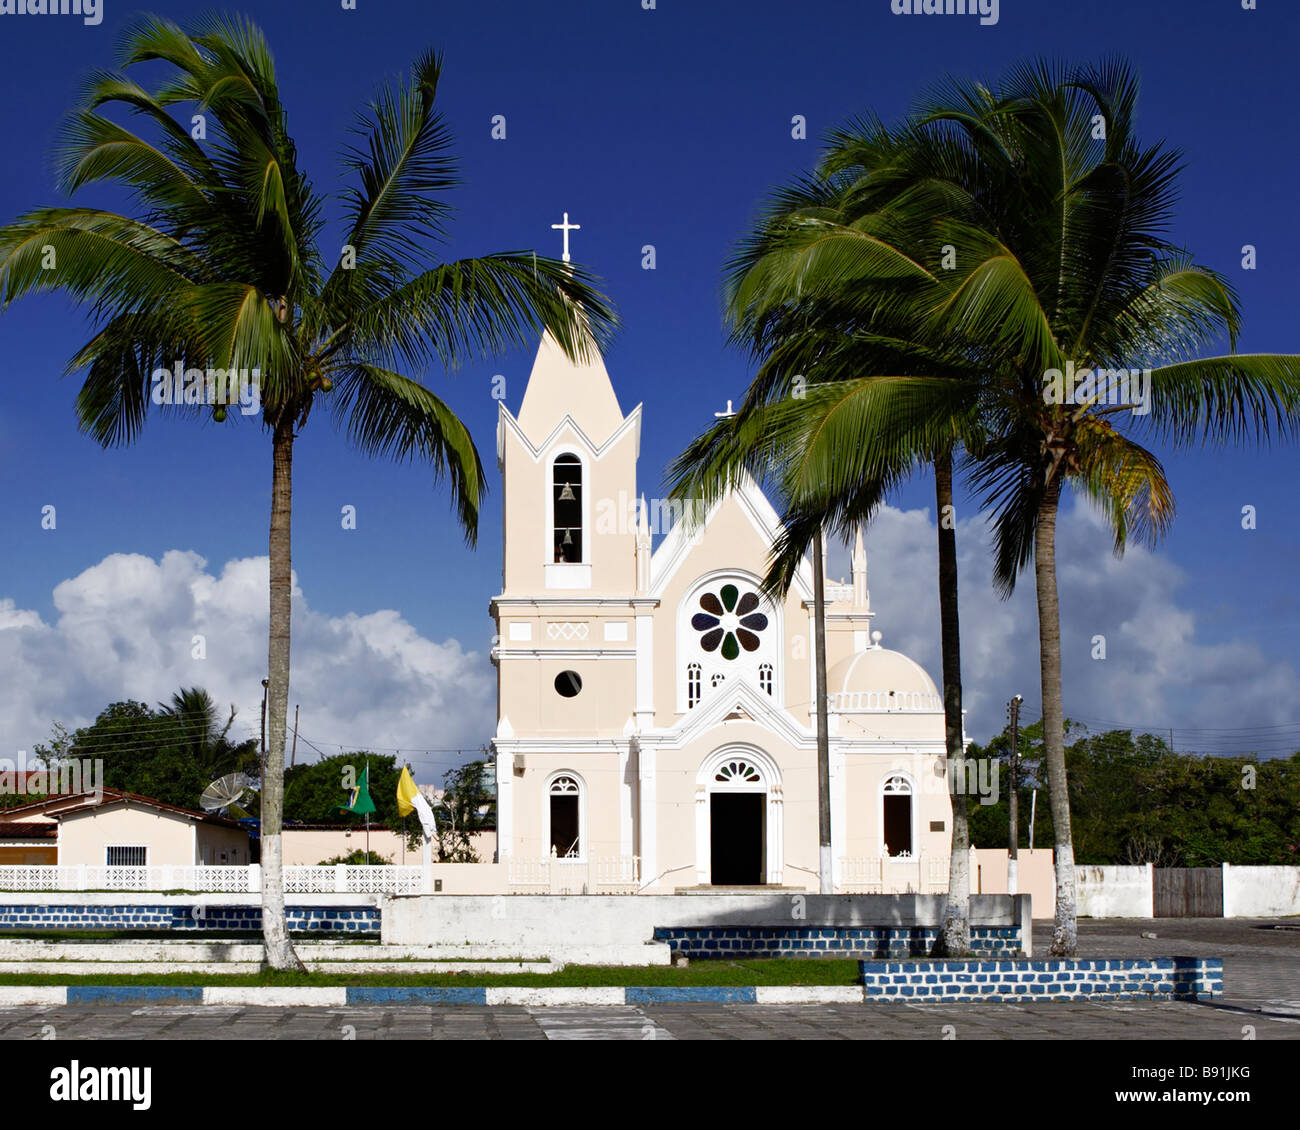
823, 737
1013, 850
294, 753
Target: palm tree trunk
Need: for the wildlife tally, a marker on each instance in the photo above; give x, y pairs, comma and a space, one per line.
955, 941
824, 854
275, 931
1065, 932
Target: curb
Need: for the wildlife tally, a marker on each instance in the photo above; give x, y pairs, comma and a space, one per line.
340, 996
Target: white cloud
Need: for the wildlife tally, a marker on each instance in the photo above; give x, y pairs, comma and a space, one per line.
125, 628
1156, 672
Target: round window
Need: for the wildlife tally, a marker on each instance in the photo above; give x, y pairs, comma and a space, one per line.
568, 683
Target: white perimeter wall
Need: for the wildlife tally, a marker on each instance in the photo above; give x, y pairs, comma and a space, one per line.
544, 923
1260, 892
1114, 892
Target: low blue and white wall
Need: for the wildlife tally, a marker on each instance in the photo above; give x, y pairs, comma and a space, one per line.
325, 914
549, 924
828, 941
1123, 979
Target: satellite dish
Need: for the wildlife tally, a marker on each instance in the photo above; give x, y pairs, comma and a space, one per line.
224, 792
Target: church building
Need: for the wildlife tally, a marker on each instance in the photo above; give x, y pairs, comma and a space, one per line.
656, 723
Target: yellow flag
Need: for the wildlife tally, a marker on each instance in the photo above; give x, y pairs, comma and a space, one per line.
406, 793
410, 799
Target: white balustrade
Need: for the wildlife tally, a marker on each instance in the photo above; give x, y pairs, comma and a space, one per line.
378, 879
893, 874
599, 875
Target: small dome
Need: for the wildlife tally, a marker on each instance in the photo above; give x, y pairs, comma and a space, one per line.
878, 679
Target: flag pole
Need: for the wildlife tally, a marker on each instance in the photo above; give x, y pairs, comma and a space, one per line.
367, 814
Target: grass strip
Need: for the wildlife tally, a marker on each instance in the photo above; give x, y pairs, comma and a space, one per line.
760, 971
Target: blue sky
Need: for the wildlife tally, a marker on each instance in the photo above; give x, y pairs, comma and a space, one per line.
662, 127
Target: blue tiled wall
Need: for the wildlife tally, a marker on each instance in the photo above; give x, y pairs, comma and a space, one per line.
1169, 978
826, 941
75, 916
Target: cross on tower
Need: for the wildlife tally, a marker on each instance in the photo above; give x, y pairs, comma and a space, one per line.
566, 227
724, 415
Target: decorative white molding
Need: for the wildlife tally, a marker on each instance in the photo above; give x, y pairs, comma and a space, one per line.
563, 653
645, 672
744, 768
521, 632
647, 789
885, 702
615, 632
568, 630
507, 422
771, 639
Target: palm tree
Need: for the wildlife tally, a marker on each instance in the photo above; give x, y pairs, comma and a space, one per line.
832, 291
201, 733
223, 269
1062, 261
1072, 267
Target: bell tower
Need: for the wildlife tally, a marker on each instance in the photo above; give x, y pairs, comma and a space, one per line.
569, 591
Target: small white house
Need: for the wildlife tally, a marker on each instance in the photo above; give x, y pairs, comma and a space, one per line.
117, 829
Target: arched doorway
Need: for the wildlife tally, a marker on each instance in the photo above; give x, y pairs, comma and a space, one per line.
738, 819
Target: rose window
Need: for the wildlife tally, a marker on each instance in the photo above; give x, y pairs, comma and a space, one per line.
729, 621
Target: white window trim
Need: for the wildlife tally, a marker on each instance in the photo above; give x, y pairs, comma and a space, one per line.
688, 650
141, 847
548, 533
770, 786
581, 857
911, 794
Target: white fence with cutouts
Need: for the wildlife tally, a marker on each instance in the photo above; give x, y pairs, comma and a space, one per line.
336, 879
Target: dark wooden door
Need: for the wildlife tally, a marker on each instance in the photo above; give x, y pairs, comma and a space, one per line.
1188, 892
736, 839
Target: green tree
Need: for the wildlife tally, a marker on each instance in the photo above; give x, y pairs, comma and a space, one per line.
314, 791
142, 751
224, 266
206, 739
468, 806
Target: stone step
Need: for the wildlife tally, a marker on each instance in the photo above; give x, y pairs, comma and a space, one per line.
205, 954
80, 968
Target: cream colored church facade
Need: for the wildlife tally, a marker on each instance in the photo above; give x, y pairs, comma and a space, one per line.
656, 728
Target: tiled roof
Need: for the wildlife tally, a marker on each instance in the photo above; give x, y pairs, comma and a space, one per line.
18, 830
69, 804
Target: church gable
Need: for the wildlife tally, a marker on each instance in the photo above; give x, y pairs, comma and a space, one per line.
738, 531
717, 628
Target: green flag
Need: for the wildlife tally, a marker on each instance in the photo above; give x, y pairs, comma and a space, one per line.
359, 803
